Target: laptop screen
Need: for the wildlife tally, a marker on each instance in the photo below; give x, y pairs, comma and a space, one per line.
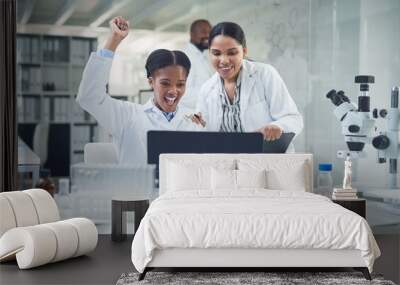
201, 142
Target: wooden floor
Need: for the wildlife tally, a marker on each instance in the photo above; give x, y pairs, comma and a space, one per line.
110, 260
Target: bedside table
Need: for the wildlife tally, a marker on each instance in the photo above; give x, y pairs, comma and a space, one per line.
119, 207
355, 205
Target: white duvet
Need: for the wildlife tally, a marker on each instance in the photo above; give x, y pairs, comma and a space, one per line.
253, 218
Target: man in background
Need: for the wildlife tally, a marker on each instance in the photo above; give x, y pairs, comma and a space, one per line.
201, 69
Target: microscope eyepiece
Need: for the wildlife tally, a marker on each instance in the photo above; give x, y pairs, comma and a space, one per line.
337, 98
343, 97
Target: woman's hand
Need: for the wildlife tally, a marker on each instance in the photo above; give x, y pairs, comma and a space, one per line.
197, 119
271, 132
119, 30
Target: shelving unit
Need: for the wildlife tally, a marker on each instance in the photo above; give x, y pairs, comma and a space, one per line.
49, 70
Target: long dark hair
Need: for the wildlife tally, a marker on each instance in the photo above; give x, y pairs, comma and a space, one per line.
229, 29
161, 58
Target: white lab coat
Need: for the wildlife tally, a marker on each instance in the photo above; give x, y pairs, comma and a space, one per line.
264, 99
200, 72
127, 122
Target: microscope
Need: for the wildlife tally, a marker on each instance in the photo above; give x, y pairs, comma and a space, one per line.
358, 123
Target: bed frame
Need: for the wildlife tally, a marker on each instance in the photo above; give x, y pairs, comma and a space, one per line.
237, 259
249, 259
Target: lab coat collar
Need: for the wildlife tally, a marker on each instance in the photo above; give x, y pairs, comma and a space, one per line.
248, 81
150, 107
248, 67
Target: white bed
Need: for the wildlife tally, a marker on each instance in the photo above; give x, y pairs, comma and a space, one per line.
247, 210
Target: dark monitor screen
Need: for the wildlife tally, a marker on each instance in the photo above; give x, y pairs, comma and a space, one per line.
280, 145
159, 142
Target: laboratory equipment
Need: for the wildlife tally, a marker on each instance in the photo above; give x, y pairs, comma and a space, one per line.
324, 179
358, 123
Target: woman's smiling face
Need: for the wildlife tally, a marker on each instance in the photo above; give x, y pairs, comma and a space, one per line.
226, 56
169, 85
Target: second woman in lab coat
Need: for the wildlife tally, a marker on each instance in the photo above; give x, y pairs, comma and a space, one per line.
244, 96
126, 121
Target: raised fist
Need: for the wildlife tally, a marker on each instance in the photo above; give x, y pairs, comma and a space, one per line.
119, 27
119, 30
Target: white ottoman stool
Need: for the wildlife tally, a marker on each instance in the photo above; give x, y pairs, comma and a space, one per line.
31, 232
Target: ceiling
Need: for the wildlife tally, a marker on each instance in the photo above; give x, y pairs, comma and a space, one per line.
159, 15
161, 23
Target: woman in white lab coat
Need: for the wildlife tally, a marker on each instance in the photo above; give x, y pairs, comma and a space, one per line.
243, 96
126, 121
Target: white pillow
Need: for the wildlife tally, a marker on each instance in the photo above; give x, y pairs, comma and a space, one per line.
223, 179
292, 179
251, 178
189, 175
283, 174
237, 179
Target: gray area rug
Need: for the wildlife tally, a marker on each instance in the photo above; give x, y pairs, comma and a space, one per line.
243, 278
